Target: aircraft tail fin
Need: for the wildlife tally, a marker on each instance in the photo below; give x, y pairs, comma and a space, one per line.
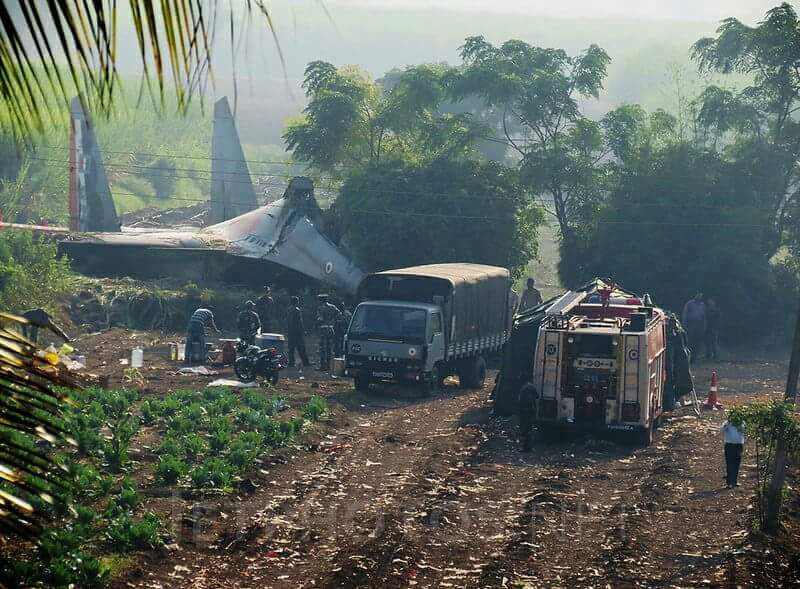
232, 192
91, 206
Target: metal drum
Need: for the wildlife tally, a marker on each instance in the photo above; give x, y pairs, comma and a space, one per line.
338, 367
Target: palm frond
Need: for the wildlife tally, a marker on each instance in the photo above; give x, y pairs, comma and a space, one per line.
31, 401
70, 46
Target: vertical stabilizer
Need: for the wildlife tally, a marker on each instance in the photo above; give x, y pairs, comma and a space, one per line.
232, 192
91, 207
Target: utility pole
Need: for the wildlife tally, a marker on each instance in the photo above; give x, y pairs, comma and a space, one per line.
774, 496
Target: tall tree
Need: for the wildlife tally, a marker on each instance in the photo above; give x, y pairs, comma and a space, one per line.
538, 90
761, 118
352, 121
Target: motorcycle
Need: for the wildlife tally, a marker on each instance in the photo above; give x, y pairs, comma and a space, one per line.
252, 361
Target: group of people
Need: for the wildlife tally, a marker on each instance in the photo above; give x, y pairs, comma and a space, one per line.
260, 316
701, 319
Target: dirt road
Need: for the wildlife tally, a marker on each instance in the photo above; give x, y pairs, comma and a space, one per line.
434, 493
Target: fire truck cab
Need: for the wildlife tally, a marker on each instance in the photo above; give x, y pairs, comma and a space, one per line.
601, 365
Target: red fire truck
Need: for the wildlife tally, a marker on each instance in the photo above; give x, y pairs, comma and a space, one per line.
600, 359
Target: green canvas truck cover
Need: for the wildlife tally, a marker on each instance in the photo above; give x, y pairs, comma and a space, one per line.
474, 294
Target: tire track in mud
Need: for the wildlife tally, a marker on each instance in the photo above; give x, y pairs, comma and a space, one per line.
628, 557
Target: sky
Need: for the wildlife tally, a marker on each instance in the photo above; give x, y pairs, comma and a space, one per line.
696, 10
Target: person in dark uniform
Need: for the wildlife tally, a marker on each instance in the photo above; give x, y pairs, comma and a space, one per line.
39, 318
527, 411
327, 316
265, 306
296, 332
713, 320
248, 323
196, 335
339, 329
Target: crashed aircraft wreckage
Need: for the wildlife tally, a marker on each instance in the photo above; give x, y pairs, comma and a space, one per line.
281, 241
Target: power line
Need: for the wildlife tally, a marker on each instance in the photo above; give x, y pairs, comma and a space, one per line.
277, 162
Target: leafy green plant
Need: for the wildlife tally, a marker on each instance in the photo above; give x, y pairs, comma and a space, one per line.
194, 446
220, 438
169, 406
170, 445
213, 473
134, 376
170, 469
150, 410
182, 425
128, 497
195, 411
315, 408
255, 399
244, 450
222, 405
125, 533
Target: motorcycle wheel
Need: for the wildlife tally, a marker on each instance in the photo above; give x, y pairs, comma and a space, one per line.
244, 369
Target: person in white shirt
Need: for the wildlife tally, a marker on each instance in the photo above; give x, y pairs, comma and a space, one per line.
734, 444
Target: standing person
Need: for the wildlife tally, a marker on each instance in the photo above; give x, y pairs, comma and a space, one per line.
531, 297
527, 409
713, 320
265, 305
694, 322
327, 315
339, 329
248, 323
196, 335
734, 445
296, 332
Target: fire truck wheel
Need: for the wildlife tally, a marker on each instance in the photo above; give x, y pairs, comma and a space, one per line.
548, 432
645, 436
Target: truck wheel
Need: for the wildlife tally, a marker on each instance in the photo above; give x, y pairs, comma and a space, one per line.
473, 373
361, 384
431, 384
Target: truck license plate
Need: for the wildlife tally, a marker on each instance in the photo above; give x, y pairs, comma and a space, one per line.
383, 375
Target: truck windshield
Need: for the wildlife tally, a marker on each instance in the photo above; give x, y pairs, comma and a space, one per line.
395, 323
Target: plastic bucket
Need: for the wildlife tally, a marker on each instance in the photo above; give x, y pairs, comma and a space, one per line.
181, 352
338, 367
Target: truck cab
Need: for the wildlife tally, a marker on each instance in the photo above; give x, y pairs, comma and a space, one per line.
395, 341
424, 323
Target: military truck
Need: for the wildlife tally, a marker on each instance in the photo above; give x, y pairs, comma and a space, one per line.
421, 324
600, 358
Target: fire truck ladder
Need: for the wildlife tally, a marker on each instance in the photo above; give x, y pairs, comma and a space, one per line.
566, 302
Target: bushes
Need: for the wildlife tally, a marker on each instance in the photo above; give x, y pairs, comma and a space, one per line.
30, 273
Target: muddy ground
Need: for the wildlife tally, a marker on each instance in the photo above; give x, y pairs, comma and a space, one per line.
395, 491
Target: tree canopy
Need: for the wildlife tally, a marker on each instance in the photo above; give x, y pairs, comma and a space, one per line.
397, 213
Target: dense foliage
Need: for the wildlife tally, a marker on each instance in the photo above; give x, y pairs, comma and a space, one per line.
30, 273
397, 214
769, 424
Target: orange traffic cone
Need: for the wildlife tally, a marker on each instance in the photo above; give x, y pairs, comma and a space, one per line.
712, 402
